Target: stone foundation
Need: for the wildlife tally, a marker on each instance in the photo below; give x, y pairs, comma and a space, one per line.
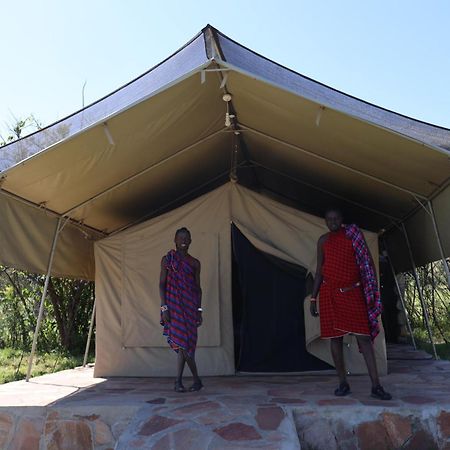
71, 410
369, 429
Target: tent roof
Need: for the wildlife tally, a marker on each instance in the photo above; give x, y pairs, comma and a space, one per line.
161, 139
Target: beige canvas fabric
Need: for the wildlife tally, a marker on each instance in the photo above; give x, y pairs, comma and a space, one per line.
129, 337
144, 158
292, 235
129, 340
26, 235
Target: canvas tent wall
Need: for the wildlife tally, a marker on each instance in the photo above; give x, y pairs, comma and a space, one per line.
165, 138
129, 336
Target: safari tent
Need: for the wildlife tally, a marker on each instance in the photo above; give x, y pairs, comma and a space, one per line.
247, 154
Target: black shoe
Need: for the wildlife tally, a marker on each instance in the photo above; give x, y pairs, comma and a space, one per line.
179, 387
196, 386
379, 393
342, 390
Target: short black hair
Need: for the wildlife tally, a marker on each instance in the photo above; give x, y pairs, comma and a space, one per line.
182, 230
333, 208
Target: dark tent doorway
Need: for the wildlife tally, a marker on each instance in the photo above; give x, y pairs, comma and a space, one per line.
268, 317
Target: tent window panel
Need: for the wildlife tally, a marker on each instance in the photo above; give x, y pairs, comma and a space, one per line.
140, 297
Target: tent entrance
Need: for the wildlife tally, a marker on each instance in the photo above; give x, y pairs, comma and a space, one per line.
268, 316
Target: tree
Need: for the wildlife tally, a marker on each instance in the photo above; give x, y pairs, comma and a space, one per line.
66, 321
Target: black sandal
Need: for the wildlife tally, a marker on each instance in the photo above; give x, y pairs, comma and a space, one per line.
379, 393
179, 387
196, 386
342, 390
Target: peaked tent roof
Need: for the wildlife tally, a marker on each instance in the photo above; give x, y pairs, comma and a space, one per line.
161, 140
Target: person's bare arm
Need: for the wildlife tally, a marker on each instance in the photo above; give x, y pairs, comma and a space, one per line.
197, 269
162, 289
318, 278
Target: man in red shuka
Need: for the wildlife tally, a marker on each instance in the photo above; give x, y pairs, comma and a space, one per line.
349, 299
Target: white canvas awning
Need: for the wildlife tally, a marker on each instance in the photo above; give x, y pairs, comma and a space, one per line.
161, 140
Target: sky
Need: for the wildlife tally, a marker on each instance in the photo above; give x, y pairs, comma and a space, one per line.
58, 54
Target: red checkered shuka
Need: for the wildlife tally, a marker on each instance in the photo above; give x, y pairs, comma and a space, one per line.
345, 312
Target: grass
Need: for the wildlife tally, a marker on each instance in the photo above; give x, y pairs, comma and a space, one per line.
14, 364
443, 350
423, 342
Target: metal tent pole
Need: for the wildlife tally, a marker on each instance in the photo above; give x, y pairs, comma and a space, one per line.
44, 294
419, 289
438, 238
402, 300
88, 343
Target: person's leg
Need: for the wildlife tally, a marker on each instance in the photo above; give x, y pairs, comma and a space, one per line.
197, 385
181, 360
366, 347
338, 357
337, 353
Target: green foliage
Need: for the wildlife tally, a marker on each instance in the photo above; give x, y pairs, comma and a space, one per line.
14, 363
436, 297
443, 350
34, 142
69, 303
66, 318
16, 129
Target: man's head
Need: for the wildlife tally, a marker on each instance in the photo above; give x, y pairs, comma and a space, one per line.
333, 219
182, 239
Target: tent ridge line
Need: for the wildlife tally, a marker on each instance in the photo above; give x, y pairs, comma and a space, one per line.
212, 48
336, 163
326, 191
234, 127
333, 108
346, 94
148, 71
142, 172
105, 119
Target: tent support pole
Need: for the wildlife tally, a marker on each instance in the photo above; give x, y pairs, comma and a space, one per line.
88, 343
402, 300
438, 239
44, 294
419, 289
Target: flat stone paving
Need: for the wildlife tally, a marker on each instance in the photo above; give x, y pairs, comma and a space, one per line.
73, 410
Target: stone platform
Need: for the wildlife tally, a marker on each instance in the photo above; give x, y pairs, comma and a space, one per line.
73, 410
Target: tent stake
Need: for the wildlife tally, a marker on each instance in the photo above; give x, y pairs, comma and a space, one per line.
438, 238
419, 289
44, 294
402, 300
88, 343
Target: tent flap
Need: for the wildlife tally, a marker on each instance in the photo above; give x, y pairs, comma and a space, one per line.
26, 235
